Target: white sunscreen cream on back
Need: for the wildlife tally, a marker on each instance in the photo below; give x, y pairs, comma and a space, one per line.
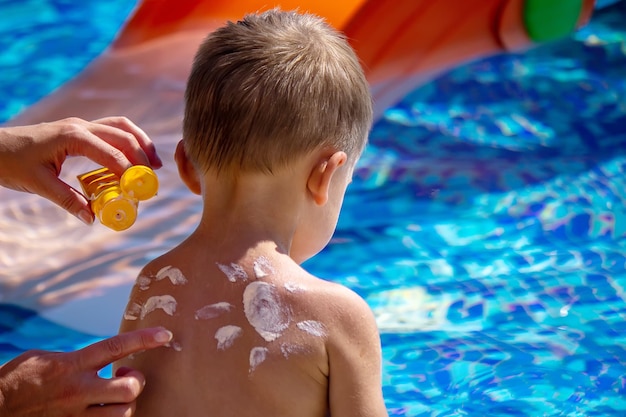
167, 303
262, 267
257, 355
312, 327
233, 272
174, 274
226, 336
213, 310
264, 311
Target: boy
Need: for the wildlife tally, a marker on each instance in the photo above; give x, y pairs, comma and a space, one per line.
277, 112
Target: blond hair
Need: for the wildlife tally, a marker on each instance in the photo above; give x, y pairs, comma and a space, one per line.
273, 87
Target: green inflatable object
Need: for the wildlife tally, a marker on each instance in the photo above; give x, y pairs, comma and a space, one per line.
547, 20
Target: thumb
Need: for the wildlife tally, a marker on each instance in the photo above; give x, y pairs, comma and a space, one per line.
66, 197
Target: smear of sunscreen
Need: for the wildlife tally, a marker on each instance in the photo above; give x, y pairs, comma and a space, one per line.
167, 303
264, 311
174, 274
312, 327
143, 282
233, 272
174, 345
133, 311
213, 310
257, 355
262, 267
292, 287
288, 349
226, 336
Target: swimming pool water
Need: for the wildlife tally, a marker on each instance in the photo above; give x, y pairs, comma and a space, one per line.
44, 43
485, 225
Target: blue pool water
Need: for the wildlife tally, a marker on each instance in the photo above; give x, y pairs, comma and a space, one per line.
486, 225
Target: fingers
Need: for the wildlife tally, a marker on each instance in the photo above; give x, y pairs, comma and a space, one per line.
109, 350
140, 136
113, 142
106, 146
118, 390
60, 193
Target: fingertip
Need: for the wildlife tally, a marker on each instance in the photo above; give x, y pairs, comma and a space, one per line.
156, 162
117, 347
162, 335
153, 156
85, 216
126, 372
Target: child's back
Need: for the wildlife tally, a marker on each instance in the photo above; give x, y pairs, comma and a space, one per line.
258, 346
277, 114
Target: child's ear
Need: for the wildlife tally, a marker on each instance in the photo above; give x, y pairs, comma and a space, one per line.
186, 169
321, 176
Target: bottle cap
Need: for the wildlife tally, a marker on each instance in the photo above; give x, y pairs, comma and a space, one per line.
139, 182
115, 211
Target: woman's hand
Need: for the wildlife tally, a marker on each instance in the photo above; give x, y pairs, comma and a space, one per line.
31, 157
52, 384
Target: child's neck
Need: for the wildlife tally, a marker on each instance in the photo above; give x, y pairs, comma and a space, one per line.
253, 208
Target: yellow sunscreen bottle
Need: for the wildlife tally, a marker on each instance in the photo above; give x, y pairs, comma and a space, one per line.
114, 200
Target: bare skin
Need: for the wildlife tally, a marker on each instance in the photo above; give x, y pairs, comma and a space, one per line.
315, 351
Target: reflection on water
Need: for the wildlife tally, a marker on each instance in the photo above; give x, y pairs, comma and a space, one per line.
485, 227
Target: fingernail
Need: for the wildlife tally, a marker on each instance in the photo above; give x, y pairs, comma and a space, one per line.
163, 336
85, 217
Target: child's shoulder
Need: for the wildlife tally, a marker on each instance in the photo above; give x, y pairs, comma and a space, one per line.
335, 293
163, 268
167, 260
330, 299
347, 316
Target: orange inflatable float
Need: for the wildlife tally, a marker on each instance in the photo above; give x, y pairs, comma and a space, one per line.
401, 44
